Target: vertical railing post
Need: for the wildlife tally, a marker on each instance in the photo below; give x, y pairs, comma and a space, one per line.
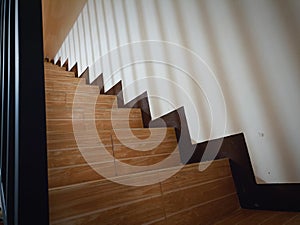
3, 140
23, 153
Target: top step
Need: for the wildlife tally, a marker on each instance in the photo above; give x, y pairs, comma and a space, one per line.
53, 67
55, 73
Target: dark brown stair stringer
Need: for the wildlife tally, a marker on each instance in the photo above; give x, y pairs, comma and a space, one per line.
251, 195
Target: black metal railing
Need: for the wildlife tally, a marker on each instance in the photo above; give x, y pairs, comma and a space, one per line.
23, 156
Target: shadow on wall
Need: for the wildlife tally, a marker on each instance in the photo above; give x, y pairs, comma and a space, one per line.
104, 26
265, 91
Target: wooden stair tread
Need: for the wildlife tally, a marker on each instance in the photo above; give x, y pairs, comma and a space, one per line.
51, 64
80, 173
63, 97
58, 137
61, 72
90, 141
66, 125
172, 183
190, 175
204, 213
74, 200
146, 163
61, 77
70, 86
246, 216
73, 156
64, 80
140, 150
83, 112
72, 89
142, 211
146, 134
99, 104
144, 149
54, 67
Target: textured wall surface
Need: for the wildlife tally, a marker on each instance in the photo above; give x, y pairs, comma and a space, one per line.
233, 65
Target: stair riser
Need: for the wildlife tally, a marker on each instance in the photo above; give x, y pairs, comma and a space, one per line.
62, 112
74, 201
138, 150
73, 89
64, 80
58, 137
66, 126
84, 142
148, 135
49, 71
62, 99
79, 174
149, 163
73, 157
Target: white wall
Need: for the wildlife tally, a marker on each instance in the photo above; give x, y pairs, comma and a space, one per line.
233, 65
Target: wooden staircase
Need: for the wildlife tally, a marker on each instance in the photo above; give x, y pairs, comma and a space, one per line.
171, 193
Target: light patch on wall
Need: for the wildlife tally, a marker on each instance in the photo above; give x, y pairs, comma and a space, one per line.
248, 46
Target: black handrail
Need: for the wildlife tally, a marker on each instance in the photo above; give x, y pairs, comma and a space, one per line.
23, 154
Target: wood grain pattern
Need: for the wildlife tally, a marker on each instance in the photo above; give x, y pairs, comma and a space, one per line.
80, 195
205, 213
59, 72
72, 157
83, 112
63, 176
151, 134
66, 126
108, 196
89, 141
48, 65
143, 142
234, 217
95, 196
295, 220
190, 175
150, 163
253, 217
105, 136
141, 149
63, 97
99, 139
70, 87
135, 213
117, 124
62, 79
188, 197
